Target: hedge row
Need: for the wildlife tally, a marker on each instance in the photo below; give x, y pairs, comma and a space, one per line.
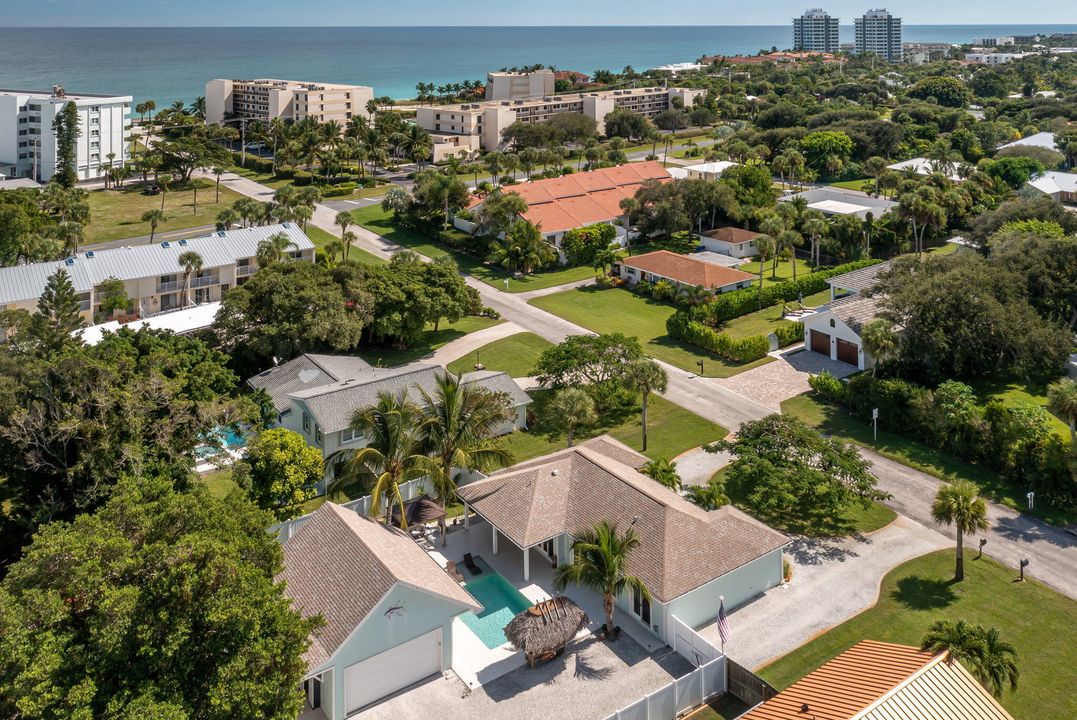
727, 306
703, 336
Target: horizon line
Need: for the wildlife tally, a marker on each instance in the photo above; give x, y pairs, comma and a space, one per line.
483, 27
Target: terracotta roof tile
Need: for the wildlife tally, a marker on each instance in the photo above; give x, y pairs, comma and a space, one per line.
687, 270
732, 235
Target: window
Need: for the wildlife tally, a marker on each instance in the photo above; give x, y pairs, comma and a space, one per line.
349, 435
317, 435
832, 323
641, 607
306, 423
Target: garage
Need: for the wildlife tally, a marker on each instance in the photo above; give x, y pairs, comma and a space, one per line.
820, 342
848, 352
372, 679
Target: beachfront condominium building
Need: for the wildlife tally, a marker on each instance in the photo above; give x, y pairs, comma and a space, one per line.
816, 31
264, 99
514, 85
472, 126
28, 143
879, 33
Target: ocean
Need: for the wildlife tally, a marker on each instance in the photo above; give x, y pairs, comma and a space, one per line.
167, 64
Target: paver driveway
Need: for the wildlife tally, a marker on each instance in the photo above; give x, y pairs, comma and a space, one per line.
774, 382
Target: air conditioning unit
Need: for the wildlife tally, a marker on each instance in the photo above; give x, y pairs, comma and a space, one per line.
165, 244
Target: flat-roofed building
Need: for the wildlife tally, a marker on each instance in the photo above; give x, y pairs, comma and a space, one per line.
487, 120
816, 31
28, 142
879, 33
265, 98
504, 85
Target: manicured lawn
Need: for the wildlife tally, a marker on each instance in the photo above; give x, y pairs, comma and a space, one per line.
836, 421
320, 237
432, 339
784, 270
851, 184
267, 179
1039, 622
1016, 391
724, 707
619, 310
515, 354
218, 482
379, 221
768, 319
117, 214
671, 429
681, 242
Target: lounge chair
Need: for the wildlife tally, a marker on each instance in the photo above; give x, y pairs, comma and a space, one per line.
455, 574
469, 563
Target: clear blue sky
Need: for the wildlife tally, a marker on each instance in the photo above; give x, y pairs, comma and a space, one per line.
511, 12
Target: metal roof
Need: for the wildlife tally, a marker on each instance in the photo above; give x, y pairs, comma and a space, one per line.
88, 269
843, 200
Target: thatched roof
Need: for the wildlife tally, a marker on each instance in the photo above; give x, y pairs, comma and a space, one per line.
419, 510
546, 627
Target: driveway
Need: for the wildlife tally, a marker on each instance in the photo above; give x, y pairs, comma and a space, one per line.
697, 466
774, 382
592, 680
833, 580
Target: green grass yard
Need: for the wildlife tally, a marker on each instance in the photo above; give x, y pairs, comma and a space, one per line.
836, 421
1039, 622
783, 272
1014, 391
379, 221
851, 184
320, 237
218, 482
619, 310
430, 341
515, 354
765, 321
117, 214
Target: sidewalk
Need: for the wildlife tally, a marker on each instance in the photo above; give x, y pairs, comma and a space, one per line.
472, 342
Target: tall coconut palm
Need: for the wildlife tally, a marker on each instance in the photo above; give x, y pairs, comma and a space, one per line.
218, 171
599, 563
1062, 401
344, 220
273, 249
227, 218
154, 217
815, 227
959, 504
879, 340
574, 408
191, 262
392, 454
647, 377
988, 657
458, 427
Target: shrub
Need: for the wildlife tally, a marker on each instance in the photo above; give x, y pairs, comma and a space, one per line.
339, 190
581, 245
743, 350
789, 334
302, 177
828, 387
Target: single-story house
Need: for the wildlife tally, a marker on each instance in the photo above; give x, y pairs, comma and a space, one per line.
684, 271
1060, 186
557, 205
883, 681
718, 258
687, 557
317, 395
839, 201
923, 166
1040, 139
388, 608
834, 329
708, 171
733, 241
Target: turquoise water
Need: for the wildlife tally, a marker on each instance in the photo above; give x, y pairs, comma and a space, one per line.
231, 439
166, 64
500, 600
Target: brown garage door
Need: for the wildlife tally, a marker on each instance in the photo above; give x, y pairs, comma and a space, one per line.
820, 342
847, 351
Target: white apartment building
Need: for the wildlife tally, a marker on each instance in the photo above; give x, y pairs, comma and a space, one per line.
996, 41
514, 85
994, 58
264, 99
152, 275
483, 123
28, 144
816, 31
878, 32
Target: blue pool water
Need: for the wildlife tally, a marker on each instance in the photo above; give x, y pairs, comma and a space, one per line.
500, 600
228, 437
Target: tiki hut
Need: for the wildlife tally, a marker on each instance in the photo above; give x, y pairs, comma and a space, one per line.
543, 630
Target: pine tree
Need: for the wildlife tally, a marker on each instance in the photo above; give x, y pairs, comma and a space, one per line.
57, 314
66, 129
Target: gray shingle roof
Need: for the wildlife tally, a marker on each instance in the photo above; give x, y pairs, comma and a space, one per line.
681, 545
498, 382
340, 565
306, 371
860, 280
333, 405
88, 269
856, 311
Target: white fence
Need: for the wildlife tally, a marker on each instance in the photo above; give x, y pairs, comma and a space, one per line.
692, 646
683, 694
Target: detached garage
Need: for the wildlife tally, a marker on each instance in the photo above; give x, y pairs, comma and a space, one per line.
388, 609
834, 330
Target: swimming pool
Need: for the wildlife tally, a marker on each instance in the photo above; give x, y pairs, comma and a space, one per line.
227, 437
500, 601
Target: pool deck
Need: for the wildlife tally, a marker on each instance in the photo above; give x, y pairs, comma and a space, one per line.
477, 664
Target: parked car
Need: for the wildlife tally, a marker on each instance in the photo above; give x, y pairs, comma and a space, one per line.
152, 190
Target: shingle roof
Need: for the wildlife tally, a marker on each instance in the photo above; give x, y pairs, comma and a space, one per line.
88, 269
856, 311
498, 382
731, 235
340, 565
306, 371
681, 546
862, 279
882, 681
687, 269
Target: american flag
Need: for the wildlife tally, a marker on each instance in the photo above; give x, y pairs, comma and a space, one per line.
723, 621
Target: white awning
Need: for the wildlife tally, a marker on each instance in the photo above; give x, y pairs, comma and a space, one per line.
182, 321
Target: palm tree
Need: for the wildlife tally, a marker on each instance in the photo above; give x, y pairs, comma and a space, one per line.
875, 167
227, 218
344, 220
392, 453
332, 249
959, 504
989, 658
273, 249
629, 206
574, 407
814, 227
664, 472
767, 247
599, 560
1062, 401
154, 217
647, 377
709, 497
459, 424
605, 259
998, 665
218, 171
191, 262
879, 340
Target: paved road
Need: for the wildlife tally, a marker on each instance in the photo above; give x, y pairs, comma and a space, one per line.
198, 231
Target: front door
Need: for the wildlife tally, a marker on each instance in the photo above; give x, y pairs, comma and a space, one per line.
641, 607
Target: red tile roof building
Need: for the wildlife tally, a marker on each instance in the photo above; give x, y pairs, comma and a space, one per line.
687, 270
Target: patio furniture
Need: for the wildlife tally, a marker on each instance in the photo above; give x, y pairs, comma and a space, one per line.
453, 572
543, 630
469, 563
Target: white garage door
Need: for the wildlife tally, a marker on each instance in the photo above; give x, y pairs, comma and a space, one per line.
385, 673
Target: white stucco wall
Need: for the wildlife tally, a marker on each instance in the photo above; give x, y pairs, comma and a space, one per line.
821, 321
700, 606
740, 250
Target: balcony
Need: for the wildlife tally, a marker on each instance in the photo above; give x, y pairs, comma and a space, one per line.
245, 270
196, 282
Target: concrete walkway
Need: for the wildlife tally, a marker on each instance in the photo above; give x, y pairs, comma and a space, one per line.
471, 342
532, 294
833, 580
